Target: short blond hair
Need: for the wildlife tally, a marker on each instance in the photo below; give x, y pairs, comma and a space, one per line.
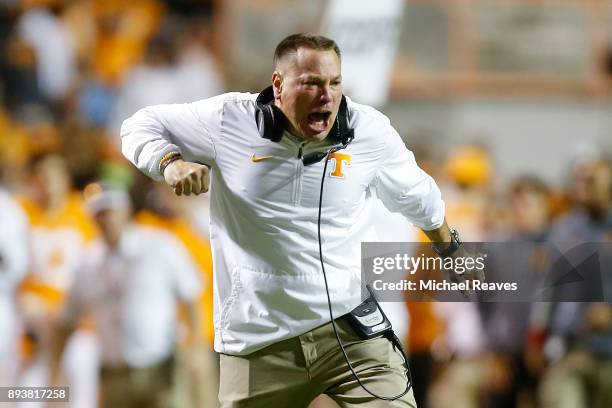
312, 41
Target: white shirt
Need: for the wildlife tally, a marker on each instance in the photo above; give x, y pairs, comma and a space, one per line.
55, 50
13, 264
132, 293
268, 283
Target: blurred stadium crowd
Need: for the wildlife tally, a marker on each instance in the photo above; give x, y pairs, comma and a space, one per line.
71, 71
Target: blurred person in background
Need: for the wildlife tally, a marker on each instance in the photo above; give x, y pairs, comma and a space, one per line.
461, 346
164, 210
426, 328
425, 335
176, 68
14, 151
46, 33
581, 375
110, 38
468, 171
460, 341
590, 219
514, 329
122, 32
579, 342
60, 231
18, 72
529, 202
132, 282
14, 255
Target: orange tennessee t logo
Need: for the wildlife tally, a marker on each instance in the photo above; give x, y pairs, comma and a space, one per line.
339, 159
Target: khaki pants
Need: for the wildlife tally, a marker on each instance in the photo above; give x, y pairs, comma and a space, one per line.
129, 387
291, 373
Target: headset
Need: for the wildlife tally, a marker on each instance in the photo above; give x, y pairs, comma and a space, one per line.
271, 123
368, 319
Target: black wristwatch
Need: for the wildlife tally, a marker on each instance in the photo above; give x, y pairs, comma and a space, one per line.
444, 249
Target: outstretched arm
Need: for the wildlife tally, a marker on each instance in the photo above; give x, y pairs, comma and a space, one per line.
155, 133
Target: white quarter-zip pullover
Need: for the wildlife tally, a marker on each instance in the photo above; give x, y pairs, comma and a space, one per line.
268, 283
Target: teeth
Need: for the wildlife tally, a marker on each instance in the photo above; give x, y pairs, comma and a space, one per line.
318, 116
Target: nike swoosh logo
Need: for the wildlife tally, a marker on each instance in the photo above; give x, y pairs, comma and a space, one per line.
256, 159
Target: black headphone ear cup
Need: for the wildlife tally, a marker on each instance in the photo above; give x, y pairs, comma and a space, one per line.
261, 121
265, 121
277, 122
270, 120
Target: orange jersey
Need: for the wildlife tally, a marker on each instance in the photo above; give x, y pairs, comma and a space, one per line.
57, 240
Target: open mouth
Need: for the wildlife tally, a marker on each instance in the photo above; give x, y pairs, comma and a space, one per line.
319, 119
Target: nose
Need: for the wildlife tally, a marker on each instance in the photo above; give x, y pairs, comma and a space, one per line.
326, 95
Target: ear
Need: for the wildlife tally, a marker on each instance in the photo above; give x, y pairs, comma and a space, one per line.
277, 84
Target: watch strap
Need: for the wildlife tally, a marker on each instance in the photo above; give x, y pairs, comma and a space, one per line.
446, 249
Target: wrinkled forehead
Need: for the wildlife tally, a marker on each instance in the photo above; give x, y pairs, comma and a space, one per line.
308, 61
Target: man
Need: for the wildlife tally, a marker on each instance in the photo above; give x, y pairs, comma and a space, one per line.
131, 282
165, 211
60, 230
581, 332
272, 324
13, 267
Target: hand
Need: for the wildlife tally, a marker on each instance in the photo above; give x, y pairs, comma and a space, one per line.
187, 178
472, 273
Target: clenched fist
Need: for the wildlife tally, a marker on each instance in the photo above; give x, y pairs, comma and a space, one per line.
187, 178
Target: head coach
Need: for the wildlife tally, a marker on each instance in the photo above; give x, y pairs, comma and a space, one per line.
273, 229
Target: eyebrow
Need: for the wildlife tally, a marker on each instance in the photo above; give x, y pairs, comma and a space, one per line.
318, 77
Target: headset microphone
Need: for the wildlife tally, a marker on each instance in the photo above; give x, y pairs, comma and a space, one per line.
315, 157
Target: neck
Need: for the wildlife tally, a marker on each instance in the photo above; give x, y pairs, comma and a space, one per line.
287, 125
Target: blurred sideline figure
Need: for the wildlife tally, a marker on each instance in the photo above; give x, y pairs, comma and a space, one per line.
591, 218
456, 333
511, 327
172, 70
163, 210
60, 229
131, 281
579, 345
13, 266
